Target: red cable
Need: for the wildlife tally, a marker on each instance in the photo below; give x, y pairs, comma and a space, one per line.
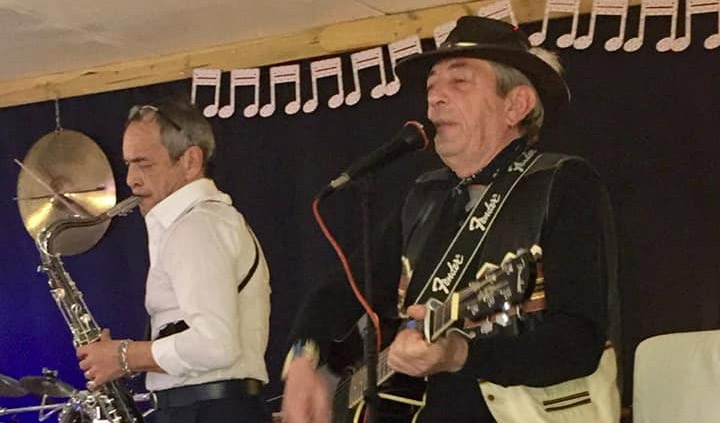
348, 273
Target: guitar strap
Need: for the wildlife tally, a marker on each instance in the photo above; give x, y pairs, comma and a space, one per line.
468, 240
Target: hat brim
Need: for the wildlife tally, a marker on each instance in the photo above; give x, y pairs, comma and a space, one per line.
550, 85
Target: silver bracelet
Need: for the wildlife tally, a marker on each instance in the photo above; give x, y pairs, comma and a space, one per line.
123, 349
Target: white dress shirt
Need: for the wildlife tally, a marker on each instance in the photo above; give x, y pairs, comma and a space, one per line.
201, 248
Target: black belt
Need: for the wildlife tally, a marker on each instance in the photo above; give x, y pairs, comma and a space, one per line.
188, 395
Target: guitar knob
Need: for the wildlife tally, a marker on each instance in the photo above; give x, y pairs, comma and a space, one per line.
502, 319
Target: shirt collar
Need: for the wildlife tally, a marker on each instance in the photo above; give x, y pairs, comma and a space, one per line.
487, 174
175, 204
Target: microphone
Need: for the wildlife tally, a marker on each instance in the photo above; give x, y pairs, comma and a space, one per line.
411, 137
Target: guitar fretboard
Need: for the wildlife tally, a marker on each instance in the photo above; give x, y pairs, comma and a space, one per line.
358, 382
442, 319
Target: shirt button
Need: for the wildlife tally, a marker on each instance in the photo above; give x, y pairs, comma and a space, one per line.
491, 397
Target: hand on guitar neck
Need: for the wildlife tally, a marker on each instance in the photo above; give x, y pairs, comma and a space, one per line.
411, 354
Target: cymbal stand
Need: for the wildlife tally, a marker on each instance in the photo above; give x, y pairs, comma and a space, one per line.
54, 408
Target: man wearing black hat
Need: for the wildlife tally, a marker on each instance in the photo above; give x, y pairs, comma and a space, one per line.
545, 358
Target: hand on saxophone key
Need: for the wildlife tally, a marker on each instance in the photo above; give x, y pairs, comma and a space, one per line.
100, 361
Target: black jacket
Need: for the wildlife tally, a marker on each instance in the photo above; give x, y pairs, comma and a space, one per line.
560, 204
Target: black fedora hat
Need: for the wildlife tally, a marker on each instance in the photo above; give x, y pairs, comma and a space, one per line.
497, 41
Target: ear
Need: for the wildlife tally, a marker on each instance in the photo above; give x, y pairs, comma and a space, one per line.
519, 103
192, 163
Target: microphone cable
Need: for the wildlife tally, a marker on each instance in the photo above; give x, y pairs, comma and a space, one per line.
348, 272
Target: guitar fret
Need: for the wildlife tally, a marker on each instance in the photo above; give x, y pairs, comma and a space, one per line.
447, 312
444, 313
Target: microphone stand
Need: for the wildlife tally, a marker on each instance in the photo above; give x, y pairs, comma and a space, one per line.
371, 353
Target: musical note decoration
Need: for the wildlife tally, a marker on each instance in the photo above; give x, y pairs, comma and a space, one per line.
605, 8
656, 8
697, 7
498, 10
398, 50
207, 78
243, 78
288, 74
502, 10
367, 59
325, 69
555, 7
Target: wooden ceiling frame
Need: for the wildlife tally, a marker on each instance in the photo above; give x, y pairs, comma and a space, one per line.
313, 42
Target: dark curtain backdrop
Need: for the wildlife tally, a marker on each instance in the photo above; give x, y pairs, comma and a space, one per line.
646, 120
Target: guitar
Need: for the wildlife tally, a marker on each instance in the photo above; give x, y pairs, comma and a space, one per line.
497, 294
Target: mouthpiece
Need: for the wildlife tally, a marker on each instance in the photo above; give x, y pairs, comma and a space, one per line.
124, 207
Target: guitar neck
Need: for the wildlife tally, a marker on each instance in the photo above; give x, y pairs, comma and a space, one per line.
358, 381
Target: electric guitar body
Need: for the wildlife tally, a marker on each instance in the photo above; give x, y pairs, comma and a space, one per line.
401, 397
498, 293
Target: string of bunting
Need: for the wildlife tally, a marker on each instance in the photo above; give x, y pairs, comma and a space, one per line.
373, 58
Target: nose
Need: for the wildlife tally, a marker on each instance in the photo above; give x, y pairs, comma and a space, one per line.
435, 96
133, 178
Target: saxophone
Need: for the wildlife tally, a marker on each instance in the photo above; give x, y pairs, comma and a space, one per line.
112, 401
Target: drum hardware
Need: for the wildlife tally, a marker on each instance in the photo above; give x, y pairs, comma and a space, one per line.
42, 416
65, 175
80, 405
10, 387
47, 385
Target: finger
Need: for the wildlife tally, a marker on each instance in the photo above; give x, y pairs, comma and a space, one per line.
84, 365
100, 381
88, 375
417, 311
105, 335
408, 337
82, 352
91, 385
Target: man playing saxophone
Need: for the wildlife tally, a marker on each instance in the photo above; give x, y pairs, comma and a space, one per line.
207, 292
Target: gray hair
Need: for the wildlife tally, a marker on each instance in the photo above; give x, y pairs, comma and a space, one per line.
181, 124
508, 78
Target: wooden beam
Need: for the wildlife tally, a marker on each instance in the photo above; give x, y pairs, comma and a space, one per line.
313, 42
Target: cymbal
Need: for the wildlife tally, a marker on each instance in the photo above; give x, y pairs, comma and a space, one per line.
65, 175
47, 385
10, 387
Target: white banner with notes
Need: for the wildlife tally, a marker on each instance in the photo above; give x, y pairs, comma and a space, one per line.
244, 85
